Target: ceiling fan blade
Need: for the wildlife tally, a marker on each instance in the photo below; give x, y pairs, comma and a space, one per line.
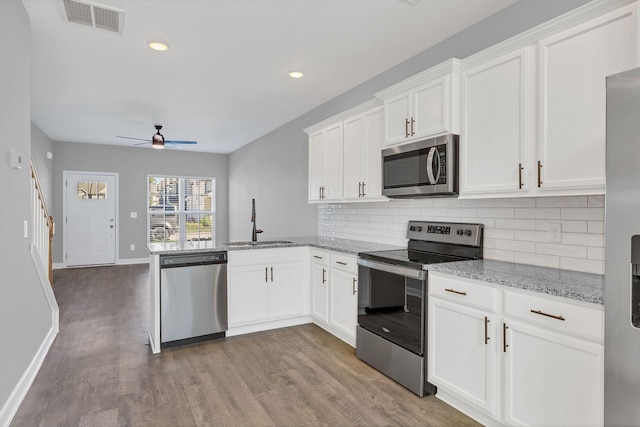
130, 137
180, 142
142, 143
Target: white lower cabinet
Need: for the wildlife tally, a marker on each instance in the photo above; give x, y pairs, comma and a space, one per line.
267, 285
320, 285
334, 284
463, 357
551, 379
511, 357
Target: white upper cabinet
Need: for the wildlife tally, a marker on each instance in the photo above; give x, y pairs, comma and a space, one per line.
496, 122
345, 156
573, 66
533, 117
325, 164
424, 105
363, 136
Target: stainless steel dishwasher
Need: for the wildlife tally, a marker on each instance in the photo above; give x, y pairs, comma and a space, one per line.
193, 297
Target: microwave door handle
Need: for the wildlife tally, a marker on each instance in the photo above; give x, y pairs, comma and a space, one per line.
432, 178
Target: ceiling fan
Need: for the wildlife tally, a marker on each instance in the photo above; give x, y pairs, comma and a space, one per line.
158, 141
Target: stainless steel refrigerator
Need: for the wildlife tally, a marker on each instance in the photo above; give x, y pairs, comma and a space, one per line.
622, 253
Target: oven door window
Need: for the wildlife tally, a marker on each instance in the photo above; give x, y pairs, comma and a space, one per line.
395, 310
423, 167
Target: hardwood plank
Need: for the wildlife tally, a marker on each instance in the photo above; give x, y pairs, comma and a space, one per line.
100, 371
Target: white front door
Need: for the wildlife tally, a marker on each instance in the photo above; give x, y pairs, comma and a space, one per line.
90, 226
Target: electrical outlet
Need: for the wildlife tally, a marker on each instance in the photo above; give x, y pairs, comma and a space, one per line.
132, 247
134, 214
555, 232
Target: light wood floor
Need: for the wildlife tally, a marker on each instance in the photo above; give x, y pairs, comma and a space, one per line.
100, 371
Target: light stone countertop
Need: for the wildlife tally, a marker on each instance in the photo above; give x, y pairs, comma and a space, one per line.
352, 247
563, 283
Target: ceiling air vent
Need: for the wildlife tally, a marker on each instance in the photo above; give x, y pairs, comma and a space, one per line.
93, 15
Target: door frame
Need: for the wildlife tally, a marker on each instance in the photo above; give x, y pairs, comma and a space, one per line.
65, 175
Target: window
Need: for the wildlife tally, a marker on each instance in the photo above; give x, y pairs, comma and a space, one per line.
91, 190
180, 209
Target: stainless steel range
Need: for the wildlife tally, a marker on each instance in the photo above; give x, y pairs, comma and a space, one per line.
392, 302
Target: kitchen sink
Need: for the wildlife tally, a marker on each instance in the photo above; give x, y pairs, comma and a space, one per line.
258, 244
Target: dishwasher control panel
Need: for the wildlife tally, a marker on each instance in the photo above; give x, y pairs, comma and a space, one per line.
193, 259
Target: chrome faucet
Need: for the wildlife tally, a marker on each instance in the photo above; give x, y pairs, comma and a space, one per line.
254, 234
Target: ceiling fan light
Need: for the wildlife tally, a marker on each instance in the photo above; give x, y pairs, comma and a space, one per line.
159, 145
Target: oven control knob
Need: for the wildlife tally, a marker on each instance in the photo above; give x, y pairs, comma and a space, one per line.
459, 232
467, 232
412, 228
419, 228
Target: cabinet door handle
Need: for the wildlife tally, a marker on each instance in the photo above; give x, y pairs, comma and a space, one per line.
406, 128
359, 189
504, 337
520, 175
553, 316
272, 274
266, 274
318, 257
539, 174
453, 291
324, 272
353, 286
486, 330
412, 123
341, 263
363, 187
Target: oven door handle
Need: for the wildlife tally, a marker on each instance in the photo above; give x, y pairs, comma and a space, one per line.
394, 269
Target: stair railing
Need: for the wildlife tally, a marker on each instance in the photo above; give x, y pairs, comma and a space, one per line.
43, 225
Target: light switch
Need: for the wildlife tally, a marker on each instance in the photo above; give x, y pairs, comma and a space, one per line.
134, 215
15, 160
26, 228
132, 247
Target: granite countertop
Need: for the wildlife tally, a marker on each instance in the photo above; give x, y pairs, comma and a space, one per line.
352, 247
567, 284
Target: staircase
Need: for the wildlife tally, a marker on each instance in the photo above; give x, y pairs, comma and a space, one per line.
43, 225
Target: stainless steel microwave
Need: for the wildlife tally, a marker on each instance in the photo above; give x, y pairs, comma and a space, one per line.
421, 169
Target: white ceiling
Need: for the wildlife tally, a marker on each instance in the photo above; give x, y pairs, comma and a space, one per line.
224, 81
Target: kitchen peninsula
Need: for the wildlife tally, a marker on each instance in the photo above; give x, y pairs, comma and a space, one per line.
283, 264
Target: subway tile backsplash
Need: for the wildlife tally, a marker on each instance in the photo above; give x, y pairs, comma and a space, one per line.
516, 230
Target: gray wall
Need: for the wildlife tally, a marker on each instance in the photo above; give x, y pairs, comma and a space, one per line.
40, 145
133, 165
25, 317
274, 168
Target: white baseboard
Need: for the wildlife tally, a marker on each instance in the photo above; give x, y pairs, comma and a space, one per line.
265, 326
124, 261
155, 348
16, 397
127, 261
467, 409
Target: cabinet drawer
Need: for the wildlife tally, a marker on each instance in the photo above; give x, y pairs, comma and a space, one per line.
319, 257
464, 291
344, 262
266, 256
556, 314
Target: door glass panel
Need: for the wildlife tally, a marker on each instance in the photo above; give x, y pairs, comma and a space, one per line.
91, 190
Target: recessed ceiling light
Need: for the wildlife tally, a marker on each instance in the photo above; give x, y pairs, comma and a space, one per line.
296, 74
411, 2
159, 46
